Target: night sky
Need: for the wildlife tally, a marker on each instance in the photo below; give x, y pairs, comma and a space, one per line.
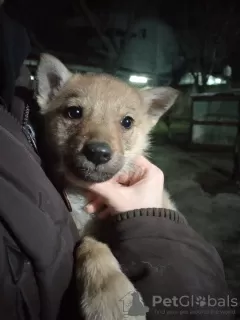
48, 22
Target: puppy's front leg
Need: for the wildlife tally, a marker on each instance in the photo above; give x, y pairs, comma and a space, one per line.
106, 291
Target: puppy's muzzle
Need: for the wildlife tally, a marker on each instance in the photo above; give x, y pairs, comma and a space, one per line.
97, 152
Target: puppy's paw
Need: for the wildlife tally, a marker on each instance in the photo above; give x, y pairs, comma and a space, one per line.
106, 293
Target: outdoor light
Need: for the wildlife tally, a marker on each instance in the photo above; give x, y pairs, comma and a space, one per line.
227, 71
210, 81
218, 80
214, 81
138, 79
32, 78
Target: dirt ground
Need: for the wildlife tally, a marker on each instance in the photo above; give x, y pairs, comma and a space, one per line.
200, 183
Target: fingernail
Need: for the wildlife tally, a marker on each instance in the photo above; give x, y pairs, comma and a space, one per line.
89, 208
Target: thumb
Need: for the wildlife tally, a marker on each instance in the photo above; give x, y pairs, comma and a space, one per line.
105, 189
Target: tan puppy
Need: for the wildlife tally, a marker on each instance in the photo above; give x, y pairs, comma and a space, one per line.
95, 126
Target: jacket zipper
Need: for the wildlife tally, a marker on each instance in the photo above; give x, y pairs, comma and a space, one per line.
26, 128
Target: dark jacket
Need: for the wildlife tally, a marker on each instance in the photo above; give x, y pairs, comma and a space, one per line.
166, 260
37, 236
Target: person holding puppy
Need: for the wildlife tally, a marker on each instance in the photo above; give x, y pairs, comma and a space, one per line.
168, 262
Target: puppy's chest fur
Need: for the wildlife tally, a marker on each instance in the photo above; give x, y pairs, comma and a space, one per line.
78, 202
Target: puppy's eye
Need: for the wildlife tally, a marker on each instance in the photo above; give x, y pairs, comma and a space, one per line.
127, 122
74, 112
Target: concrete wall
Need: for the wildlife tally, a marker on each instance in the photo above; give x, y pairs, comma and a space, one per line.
180, 116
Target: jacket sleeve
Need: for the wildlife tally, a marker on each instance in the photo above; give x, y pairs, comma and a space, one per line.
37, 234
177, 272
12, 304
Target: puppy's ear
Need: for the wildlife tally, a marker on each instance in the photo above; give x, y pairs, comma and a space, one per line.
51, 76
158, 101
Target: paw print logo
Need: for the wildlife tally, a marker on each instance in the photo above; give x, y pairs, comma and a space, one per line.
201, 301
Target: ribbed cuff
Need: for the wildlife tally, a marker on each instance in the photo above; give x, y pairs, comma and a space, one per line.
152, 212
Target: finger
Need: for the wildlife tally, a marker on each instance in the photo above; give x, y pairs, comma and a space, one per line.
140, 168
150, 169
103, 189
105, 213
135, 173
90, 196
94, 205
124, 179
142, 162
92, 202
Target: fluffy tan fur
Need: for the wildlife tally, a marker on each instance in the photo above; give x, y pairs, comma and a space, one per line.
105, 100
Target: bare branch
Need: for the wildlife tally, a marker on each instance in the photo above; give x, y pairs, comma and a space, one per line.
93, 21
210, 34
125, 41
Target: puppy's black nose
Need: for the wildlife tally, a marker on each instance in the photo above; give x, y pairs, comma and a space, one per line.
97, 152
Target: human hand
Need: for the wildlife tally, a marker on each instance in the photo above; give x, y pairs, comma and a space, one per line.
142, 188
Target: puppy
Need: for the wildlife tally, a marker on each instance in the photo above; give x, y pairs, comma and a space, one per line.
95, 126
